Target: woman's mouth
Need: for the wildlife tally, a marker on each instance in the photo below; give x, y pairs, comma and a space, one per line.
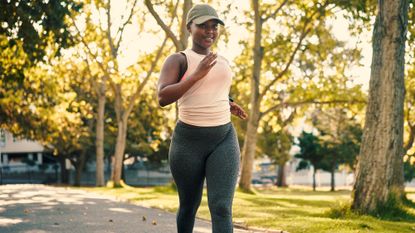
209, 39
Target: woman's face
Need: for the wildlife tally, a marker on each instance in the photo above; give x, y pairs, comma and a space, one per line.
205, 34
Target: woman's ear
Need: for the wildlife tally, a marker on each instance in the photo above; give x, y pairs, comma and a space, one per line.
188, 27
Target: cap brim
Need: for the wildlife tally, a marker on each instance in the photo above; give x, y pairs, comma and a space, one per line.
202, 19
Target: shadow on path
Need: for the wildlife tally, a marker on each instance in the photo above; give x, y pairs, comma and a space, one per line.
44, 209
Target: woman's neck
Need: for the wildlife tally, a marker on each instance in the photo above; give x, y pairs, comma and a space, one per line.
200, 50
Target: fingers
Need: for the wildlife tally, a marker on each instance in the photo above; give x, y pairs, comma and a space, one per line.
205, 65
213, 63
238, 111
242, 114
210, 59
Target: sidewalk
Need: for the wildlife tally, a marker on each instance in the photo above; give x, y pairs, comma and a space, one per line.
44, 209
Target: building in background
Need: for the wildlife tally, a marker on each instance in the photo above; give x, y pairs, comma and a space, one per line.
25, 161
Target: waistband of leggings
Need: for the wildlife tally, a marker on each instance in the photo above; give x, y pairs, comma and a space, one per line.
182, 124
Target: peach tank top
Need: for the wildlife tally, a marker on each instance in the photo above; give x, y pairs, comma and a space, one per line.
206, 103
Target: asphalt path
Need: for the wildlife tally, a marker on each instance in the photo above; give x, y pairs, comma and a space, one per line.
44, 209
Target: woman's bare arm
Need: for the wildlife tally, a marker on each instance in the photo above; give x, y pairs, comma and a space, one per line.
170, 88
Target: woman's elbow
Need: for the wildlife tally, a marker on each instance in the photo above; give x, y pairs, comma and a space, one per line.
162, 101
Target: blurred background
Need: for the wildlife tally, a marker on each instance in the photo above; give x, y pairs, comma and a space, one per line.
78, 101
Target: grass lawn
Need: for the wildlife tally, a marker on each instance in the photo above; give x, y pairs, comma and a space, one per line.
293, 210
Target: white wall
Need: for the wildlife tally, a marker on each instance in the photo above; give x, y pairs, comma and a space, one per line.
20, 146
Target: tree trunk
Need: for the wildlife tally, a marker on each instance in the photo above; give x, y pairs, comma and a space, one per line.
248, 151
119, 151
333, 174
123, 177
380, 168
184, 34
314, 178
80, 168
111, 167
281, 179
64, 170
99, 143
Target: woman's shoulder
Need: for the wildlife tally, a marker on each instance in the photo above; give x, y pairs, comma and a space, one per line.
176, 59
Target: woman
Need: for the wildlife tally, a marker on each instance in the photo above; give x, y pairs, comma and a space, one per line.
204, 142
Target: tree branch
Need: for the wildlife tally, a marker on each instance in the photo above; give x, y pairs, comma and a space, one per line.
108, 32
160, 22
287, 66
289, 119
411, 139
274, 14
149, 73
89, 49
122, 27
118, 102
304, 33
93, 81
311, 101
183, 29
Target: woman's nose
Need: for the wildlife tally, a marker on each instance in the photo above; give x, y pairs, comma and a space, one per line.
210, 30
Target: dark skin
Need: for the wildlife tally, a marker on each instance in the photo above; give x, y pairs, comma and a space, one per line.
170, 88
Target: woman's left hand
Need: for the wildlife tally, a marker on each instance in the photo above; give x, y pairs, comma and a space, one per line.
238, 111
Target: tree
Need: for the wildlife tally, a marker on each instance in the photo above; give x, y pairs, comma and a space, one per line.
33, 22
409, 150
180, 41
105, 54
311, 153
75, 139
380, 167
275, 141
302, 39
340, 136
277, 148
31, 33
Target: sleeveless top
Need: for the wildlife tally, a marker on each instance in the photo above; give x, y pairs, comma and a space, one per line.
206, 103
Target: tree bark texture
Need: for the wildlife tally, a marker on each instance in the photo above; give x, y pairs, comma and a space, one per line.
282, 178
119, 151
80, 168
99, 141
380, 167
64, 171
314, 178
248, 151
333, 176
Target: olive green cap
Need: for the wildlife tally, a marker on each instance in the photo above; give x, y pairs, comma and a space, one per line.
201, 13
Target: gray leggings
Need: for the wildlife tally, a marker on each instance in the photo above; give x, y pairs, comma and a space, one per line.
199, 152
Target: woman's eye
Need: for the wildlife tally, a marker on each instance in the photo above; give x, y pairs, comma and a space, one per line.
204, 27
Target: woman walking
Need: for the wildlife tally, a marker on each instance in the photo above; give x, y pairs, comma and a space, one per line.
204, 142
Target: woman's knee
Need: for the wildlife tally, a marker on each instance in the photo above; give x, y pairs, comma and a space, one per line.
189, 209
221, 208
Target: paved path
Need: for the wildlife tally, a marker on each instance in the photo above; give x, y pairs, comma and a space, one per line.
44, 209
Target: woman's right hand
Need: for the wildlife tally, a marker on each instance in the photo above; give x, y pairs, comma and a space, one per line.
170, 87
205, 65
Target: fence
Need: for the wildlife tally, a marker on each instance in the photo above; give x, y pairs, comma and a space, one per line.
27, 174
144, 175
